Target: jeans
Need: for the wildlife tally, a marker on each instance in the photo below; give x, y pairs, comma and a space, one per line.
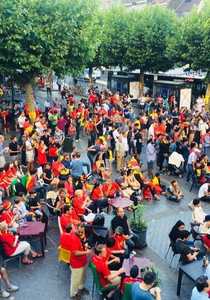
101, 203
205, 149
132, 242
189, 172
85, 164
205, 198
91, 158
42, 190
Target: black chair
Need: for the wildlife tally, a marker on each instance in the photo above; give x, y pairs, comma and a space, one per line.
195, 182
8, 258
174, 250
194, 231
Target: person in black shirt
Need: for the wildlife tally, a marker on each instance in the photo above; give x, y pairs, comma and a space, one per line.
47, 176
138, 138
13, 148
121, 220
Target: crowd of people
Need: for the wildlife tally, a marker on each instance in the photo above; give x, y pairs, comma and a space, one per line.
115, 135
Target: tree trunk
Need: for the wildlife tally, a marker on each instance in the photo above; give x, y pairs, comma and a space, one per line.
30, 101
208, 95
141, 82
50, 78
90, 76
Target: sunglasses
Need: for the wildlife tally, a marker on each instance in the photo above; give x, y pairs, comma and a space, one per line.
118, 234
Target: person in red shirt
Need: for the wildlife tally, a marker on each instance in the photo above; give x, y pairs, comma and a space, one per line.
134, 272
106, 277
65, 238
8, 216
69, 216
110, 188
42, 156
58, 168
78, 262
120, 246
98, 197
13, 247
80, 203
54, 149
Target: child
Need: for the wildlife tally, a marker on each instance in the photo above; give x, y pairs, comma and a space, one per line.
173, 192
160, 188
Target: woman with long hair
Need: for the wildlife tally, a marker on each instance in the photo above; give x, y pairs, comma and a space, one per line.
100, 166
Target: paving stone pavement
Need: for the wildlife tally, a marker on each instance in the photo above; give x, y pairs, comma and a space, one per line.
39, 281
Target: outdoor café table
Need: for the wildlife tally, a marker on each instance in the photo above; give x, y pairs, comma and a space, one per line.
142, 263
102, 230
192, 270
34, 229
120, 202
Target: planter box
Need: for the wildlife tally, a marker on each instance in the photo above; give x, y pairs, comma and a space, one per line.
142, 237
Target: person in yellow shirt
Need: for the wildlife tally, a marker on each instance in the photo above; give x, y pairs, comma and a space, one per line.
160, 188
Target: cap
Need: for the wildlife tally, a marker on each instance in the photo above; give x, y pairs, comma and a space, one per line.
6, 205
158, 174
196, 150
90, 120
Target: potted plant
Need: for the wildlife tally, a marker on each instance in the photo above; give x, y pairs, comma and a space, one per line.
139, 225
158, 281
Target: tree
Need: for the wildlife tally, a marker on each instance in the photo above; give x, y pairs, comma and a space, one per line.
39, 36
148, 39
192, 43
115, 36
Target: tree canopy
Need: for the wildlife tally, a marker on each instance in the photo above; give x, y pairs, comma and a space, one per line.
38, 36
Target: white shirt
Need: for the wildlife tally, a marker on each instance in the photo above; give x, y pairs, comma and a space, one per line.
199, 214
21, 120
116, 135
202, 190
125, 143
151, 132
192, 158
47, 104
106, 107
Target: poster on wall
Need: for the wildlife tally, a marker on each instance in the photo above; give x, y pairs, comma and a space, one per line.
185, 98
134, 89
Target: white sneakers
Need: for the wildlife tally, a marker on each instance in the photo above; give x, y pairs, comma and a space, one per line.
11, 288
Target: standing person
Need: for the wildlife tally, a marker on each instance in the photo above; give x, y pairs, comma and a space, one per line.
78, 262
144, 290
42, 156
191, 163
29, 154
21, 121
120, 153
9, 287
47, 105
13, 148
2, 150
59, 82
78, 127
151, 156
138, 138
48, 85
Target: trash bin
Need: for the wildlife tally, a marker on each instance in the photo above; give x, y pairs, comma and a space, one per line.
68, 145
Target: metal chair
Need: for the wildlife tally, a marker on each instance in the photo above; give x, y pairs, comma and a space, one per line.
195, 234
64, 255
8, 258
174, 250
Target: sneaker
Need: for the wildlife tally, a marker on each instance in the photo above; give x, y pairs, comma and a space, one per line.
84, 291
79, 140
4, 294
12, 288
138, 198
76, 141
76, 297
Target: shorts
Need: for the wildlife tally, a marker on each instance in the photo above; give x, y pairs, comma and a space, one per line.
30, 157
150, 164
